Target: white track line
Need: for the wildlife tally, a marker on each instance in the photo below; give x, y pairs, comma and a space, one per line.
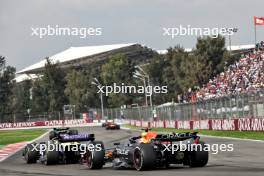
18, 149
232, 138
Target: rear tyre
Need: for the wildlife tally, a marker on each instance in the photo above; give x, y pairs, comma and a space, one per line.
144, 157
199, 158
51, 157
30, 155
95, 158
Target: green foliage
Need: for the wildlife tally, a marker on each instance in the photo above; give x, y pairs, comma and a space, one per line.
78, 89
157, 70
7, 74
21, 98
53, 85
118, 69
39, 102
213, 51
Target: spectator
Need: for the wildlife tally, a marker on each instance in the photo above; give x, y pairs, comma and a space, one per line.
245, 75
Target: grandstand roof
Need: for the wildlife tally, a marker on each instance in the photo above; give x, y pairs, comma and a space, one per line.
24, 77
241, 47
75, 53
233, 48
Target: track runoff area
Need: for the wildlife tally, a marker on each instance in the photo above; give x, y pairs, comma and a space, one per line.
241, 157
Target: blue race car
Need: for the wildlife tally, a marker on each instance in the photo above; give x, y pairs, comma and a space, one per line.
64, 147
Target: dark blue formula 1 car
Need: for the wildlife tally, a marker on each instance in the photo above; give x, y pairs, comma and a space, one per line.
150, 151
65, 146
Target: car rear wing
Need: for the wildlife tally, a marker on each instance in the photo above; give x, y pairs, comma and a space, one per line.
176, 136
76, 138
61, 129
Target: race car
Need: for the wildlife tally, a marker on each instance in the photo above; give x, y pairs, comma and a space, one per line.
57, 131
151, 150
112, 126
105, 124
64, 147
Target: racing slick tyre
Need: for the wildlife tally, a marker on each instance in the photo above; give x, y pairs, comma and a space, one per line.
95, 158
52, 134
144, 157
200, 157
73, 132
51, 157
30, 155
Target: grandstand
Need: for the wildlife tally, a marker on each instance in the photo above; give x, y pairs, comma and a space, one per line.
245, 75
76, 57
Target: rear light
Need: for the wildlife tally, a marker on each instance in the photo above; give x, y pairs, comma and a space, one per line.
196, 140
166, 142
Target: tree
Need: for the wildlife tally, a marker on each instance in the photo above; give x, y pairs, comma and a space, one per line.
53, 84
77, 89
7, 74
39, 95
118, 70
2, 63
156, 70
213, 51
194, 72
21, 98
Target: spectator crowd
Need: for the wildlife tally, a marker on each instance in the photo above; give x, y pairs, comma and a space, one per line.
245, 75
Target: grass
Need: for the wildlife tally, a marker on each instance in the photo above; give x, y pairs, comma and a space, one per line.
234, 134
14, 136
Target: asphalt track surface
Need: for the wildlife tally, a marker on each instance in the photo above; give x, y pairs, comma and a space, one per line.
247, 159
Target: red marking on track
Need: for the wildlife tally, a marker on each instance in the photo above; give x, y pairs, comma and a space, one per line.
9, 149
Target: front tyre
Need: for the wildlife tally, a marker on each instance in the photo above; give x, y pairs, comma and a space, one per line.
51, 157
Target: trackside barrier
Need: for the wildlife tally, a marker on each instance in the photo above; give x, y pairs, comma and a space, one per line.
52, 123
55, 123
241, 124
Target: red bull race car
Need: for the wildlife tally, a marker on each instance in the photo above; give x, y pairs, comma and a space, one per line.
112, 126
151, 150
